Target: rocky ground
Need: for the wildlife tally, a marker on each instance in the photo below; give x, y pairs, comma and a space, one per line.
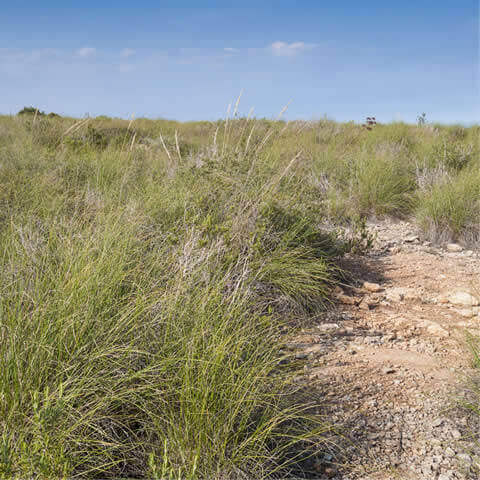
391, 362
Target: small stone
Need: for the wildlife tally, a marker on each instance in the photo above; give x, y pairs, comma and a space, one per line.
372, 287
367, 303
442, 300
435, 329
337, 290
346, 300
301, 356
328, 327
445, 476
454, 247
436, 423
456, 434
396, 294
464, 298
387, 370
330, 472
449, 452
412, 239
465, 458
466, 313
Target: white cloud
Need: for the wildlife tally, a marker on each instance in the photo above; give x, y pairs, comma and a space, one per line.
283, 49
127, 52
86, 52
230, 50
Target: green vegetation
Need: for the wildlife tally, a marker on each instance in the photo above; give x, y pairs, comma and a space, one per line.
473, 401
149, 269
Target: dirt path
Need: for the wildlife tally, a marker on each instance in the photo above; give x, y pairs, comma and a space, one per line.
392, 360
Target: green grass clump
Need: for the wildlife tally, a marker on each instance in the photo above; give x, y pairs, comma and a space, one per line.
451, 209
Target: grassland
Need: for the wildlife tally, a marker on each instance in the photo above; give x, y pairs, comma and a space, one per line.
149, 269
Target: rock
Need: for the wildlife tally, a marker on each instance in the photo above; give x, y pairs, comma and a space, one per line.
449, 452
454, 247
435, 329
328, 327
396, 294
411, 239
442, 300
456, 434
337, 291
387, 370
413, 295
467, 313
437, 422
367, 303
465, 458
346, 300
463, 298
330, 472
446, 476
372, 287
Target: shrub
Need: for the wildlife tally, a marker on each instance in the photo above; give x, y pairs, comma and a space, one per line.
31, 111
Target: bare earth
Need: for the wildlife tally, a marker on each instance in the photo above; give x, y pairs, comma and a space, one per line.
391, 363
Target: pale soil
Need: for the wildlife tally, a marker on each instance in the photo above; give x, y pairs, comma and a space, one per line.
391, 368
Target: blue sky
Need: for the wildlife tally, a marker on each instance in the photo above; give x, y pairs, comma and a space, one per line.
344, 59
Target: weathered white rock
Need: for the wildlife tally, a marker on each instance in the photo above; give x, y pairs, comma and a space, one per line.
412, 238
387, 370
466, 312
328, 327
435, 329
396, 294
463, 298
454, 247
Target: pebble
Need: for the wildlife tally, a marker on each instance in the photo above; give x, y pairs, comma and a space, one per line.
372, 287
437, 422
456, 434
387, 370
454, 247
411, 239
328, 327
396, 294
